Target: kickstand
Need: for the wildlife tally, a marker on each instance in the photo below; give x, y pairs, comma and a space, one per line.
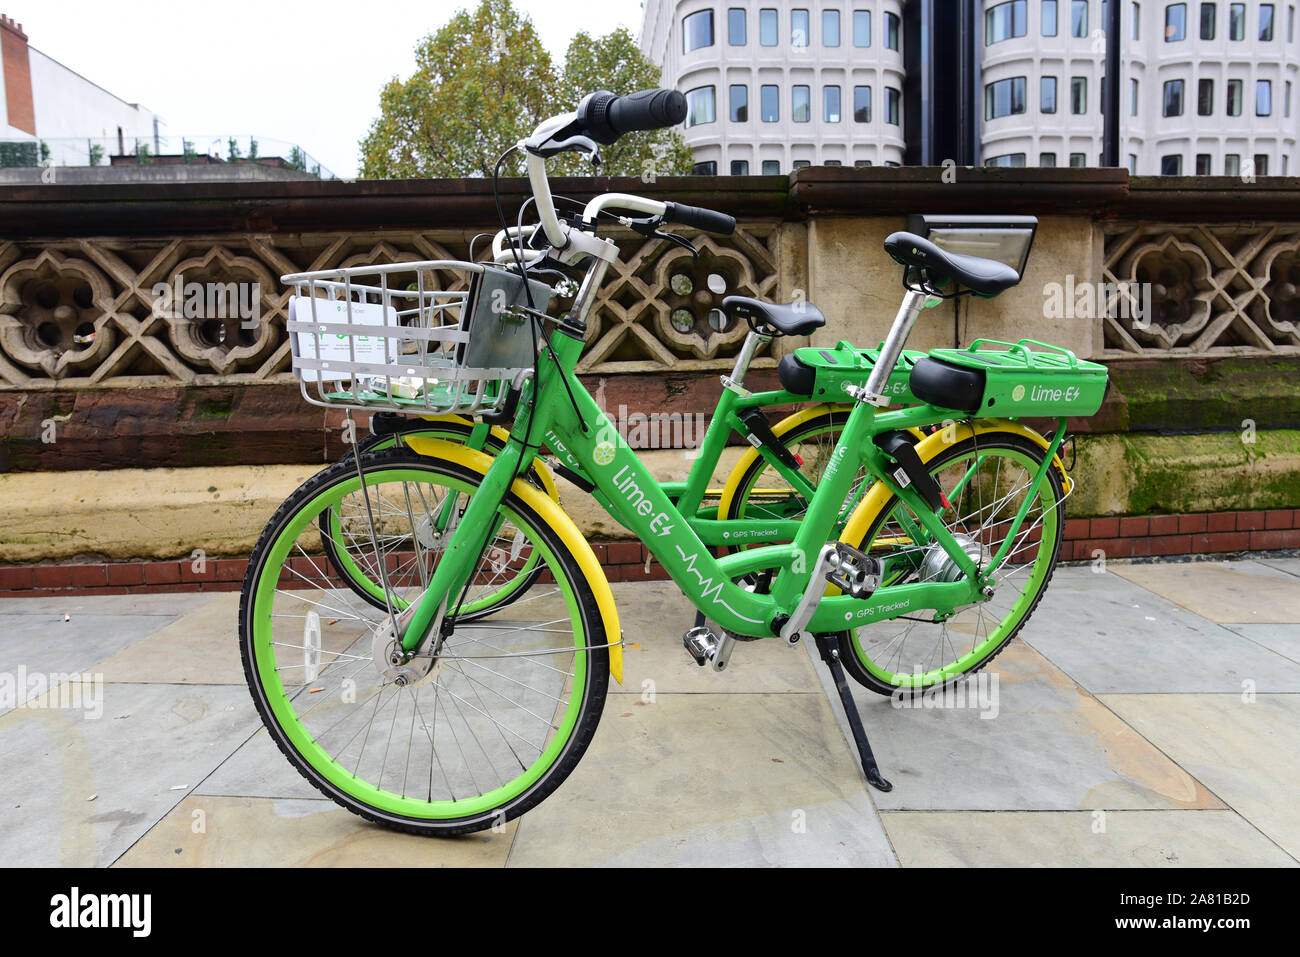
829, 646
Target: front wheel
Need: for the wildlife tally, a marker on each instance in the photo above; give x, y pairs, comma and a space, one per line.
501, 712
986, 477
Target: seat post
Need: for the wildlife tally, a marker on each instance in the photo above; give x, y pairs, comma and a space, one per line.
874, 392
753, 342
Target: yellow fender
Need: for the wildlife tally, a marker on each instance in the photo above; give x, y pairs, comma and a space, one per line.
503, 435
732, 486
551, 513
927, 449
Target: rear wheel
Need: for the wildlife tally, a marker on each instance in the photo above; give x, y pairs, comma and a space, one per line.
492, 721
986, 479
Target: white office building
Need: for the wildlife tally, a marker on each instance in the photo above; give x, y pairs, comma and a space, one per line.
778, 85
1206, 87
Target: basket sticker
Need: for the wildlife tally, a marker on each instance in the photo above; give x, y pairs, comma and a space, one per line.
341, 349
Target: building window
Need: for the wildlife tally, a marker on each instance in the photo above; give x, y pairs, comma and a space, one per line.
1078, 95
1078, 160
801, 164
1237, 21
771, 167
1290, 35
737, 28
1284, 162
739, 103
891, 31
830, 28
1234, 98
1202, 164
1006, 159
1232, 164
1004, 98
1209, 20
1049, 18
1137, 21
705, 169
700, 106
1132, 164
1205, 98
1171, 165
801, 104
1175, 22
768, 29
1173, 98
831, 104
892, 97
1078, 18
1047, 94
862, 104
832, 163
1266, 21
1132, 97
1004, 21
740, 167
798, 28
697, 30
1047, 159
1263, 97
1286, 99
770, 105
1261, 164
862, 28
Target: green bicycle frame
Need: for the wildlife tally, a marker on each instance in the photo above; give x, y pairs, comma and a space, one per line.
569, 421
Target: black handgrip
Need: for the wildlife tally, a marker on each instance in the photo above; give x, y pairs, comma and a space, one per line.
647, 110
704, 219
605, 117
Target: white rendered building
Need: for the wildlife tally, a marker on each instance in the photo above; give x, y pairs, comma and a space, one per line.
1206, 87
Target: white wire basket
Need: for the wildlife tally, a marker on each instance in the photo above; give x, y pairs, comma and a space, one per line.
422, 338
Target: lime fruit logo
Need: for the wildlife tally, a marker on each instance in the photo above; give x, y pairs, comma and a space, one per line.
1019, 394
604, 453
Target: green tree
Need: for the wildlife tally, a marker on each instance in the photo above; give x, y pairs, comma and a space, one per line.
480, 83
484, 81
615, 63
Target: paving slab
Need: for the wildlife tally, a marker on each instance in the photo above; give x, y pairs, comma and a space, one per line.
1113, 636
201, 648
88, 604
1289, 565
1282, 639
209, 831
79, 792
726, 780
655, 616
1080, 839
1048, 745
45, 645
1246, 752
257, 769
1222, 591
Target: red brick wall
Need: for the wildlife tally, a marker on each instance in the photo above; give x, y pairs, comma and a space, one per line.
18, 76
1159, 535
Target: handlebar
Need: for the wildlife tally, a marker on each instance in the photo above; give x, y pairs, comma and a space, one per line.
605, 117
703, 219
602, 118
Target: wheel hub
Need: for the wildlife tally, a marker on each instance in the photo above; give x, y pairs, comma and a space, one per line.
939, 566
395, 666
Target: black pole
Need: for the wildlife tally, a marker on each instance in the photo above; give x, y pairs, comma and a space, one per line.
1110, 109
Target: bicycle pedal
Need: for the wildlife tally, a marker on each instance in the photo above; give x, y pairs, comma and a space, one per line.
852, 572
707, 648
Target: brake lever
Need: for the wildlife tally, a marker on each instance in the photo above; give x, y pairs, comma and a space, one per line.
650, 229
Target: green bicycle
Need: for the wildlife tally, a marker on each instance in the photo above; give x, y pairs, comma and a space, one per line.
429, 717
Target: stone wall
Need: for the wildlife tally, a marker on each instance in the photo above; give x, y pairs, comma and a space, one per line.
172, 435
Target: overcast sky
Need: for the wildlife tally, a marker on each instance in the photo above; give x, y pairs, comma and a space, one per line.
304, 72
